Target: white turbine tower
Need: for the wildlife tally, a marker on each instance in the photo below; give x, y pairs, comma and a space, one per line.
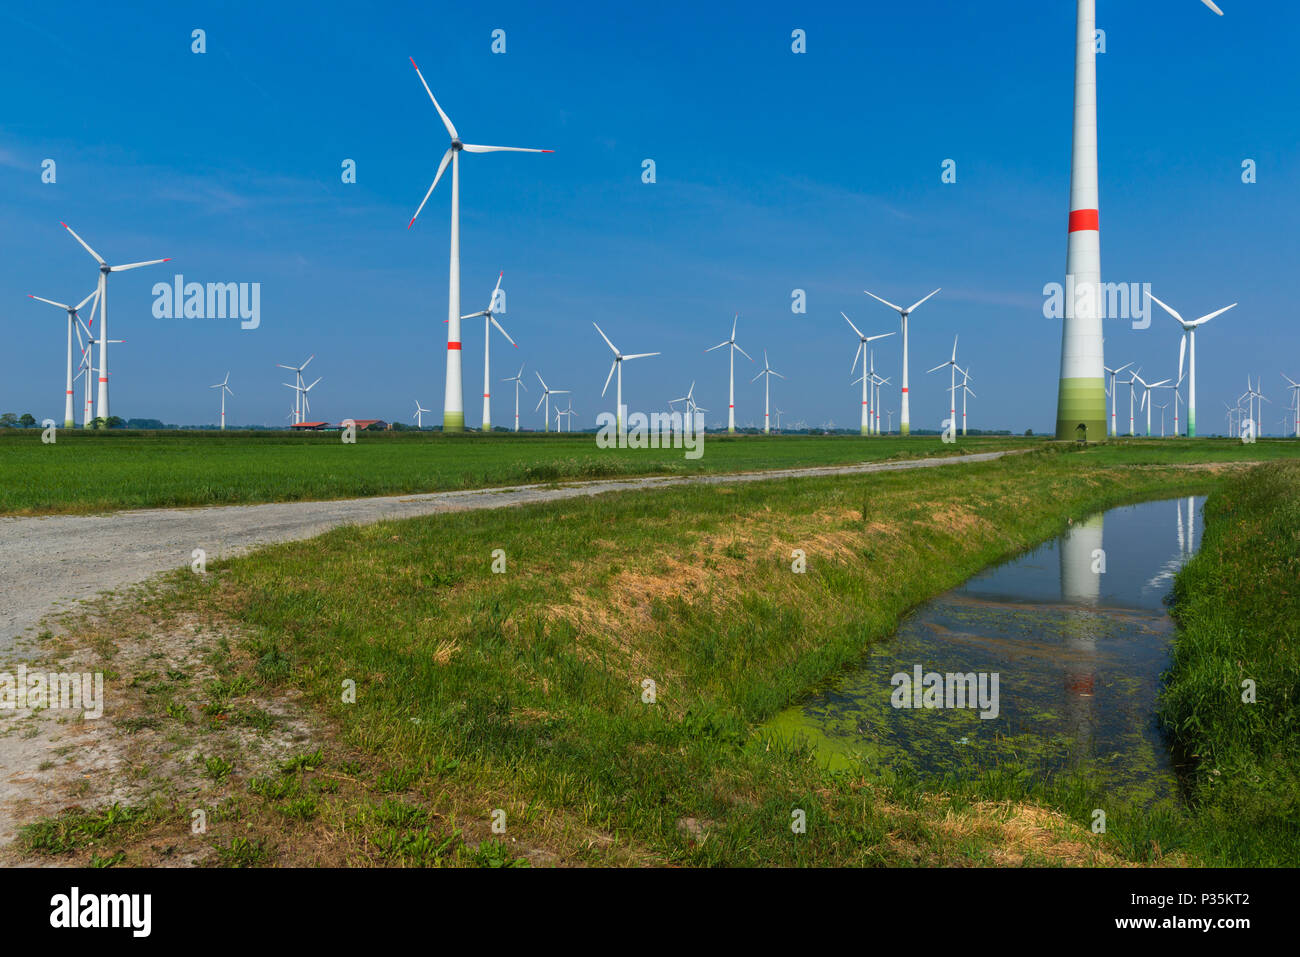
731, 378
618, 367
225, 388
297, 385
1110, 391
419, 414
1295, 400
905, 419
867, 407
1080, 398
1132, 379
952, 388
1162, 418
779, 413
966, 390
518, 380
102, 290
489, 320
767, 372
547, 392
453, 411
1189, 341
69, 420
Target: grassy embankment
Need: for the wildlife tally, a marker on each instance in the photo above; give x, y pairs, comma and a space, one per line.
98, 471
524, 690
1238, 608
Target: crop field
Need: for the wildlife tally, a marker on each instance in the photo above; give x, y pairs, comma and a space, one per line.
97, 471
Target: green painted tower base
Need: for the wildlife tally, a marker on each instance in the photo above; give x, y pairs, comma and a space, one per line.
1081, 402
453, 422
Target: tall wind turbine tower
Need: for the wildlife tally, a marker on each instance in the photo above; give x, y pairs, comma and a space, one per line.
1081, 397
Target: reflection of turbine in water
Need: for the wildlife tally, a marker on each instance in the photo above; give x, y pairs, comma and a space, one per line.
1186, 546
1080, 584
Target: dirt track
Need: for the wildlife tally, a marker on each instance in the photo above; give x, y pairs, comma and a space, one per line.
49, 563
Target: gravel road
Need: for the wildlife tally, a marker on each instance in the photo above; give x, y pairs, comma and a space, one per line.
47, 564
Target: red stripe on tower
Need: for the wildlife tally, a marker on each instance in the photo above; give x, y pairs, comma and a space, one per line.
1081, 219
453, 345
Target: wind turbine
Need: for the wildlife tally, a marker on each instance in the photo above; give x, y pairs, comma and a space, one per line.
547, 392
778, 419
876, 381
965, 391
1252, 393
905, 420
1146, 396
952, 388
518, 380
1162, 418
1114, 399
419, 414
890, 421
1189, 340
489, 320
69, 420
1080, 398
1132, 378
224, 387
1295, 400
302, 395
731, 379
618, 366
102, 290
453, 410
297, 372
868, 412
568, 414
766, 372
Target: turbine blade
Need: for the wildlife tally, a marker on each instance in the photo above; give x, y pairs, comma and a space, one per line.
743, 352
1204, 319
98, 258
642, 355
451, 130
93, 293
502, 331
540, 379
718, 346
151, 262
885, 301
942, 365
470, 148
442, 168
612, 367
1211, 5
1166, 308
606, 338
855, 357
50, 301
1182, 354
853, 327
912, 307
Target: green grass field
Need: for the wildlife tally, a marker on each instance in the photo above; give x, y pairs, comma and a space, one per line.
97, 471
525, 690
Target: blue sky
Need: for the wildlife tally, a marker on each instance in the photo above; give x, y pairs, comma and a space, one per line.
775, 171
